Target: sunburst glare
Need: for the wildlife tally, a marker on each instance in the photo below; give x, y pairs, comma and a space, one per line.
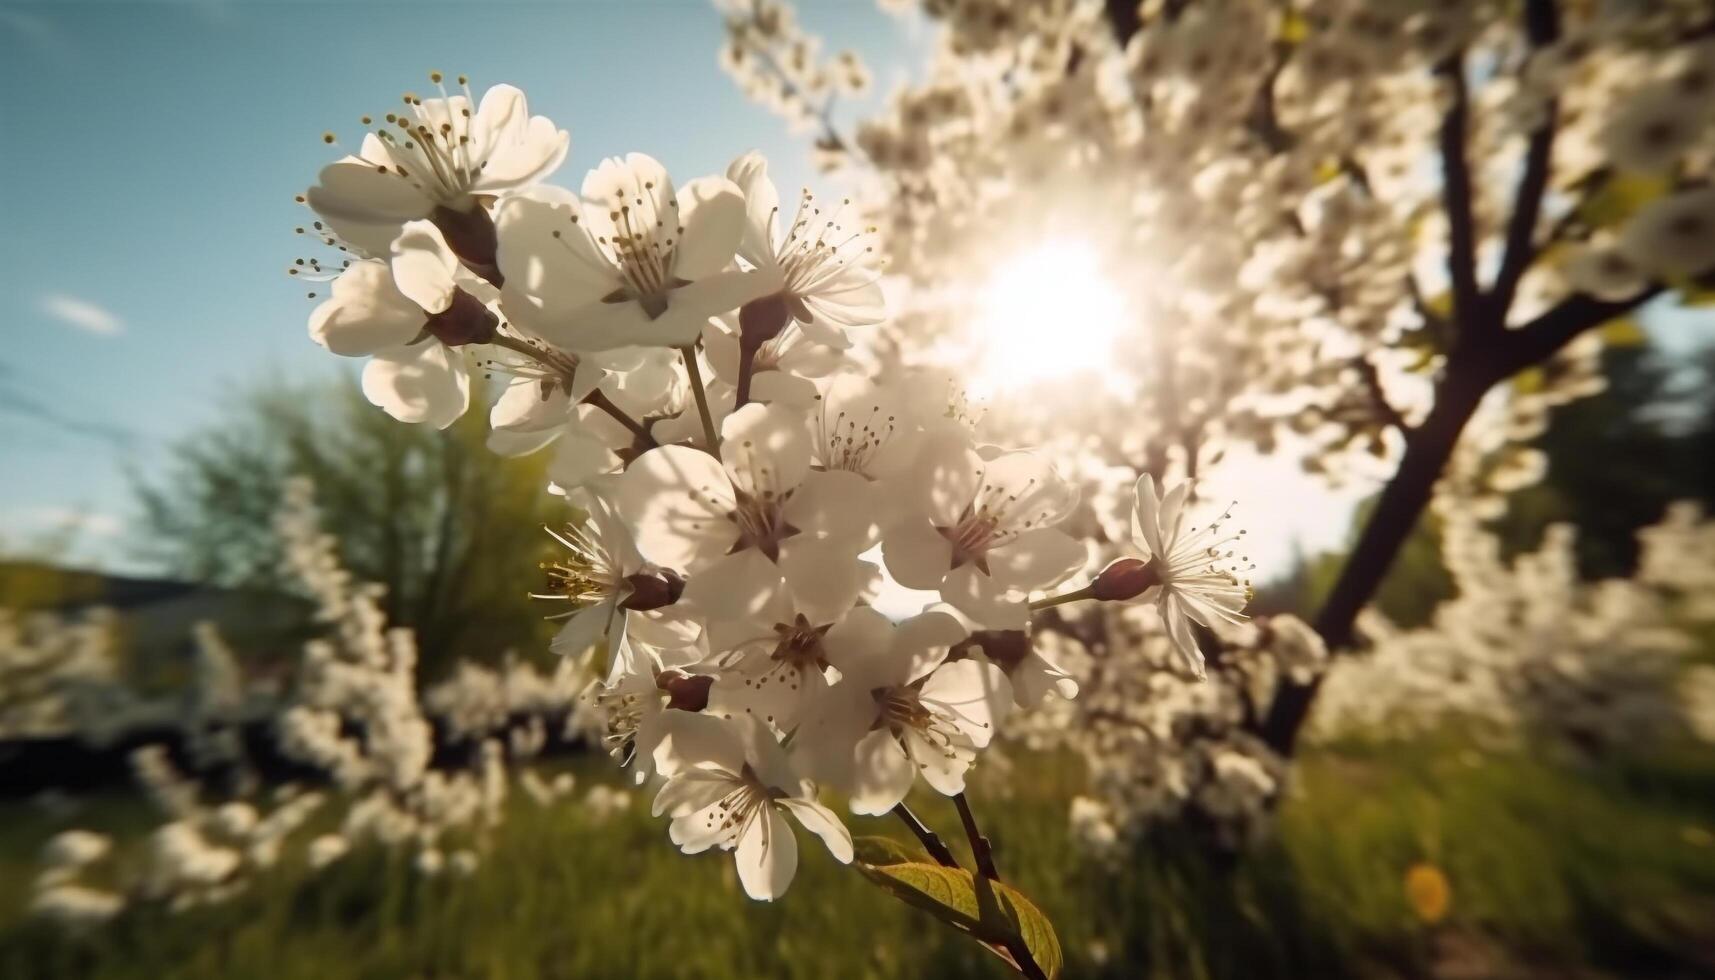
1046, 314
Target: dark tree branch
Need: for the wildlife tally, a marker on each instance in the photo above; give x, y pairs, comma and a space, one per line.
1543, 337
1373, 384
1471, 371
1125, 18
980, 848
1542, 26
1456, 194
930, 840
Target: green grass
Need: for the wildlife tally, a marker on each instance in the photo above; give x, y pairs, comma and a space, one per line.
1555, 871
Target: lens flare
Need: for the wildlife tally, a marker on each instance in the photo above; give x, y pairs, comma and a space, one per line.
1046, 314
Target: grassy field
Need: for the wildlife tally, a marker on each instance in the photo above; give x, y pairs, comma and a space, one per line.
1553, 871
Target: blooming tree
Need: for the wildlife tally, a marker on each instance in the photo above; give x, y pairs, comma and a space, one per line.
1384, 238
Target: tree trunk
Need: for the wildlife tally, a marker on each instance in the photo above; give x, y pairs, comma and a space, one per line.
1397, 511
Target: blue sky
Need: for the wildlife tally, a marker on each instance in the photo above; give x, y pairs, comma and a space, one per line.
151, 151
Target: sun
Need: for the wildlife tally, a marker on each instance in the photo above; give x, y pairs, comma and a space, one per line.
1046, 314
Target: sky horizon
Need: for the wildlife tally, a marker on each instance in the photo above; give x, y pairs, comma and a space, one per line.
142, 265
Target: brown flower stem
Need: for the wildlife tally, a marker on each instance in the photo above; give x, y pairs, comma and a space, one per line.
695, 374
930, 840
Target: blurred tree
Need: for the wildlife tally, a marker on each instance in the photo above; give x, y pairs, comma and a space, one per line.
451, 530
1616, 459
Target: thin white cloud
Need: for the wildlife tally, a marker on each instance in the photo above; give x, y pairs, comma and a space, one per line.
81, 314
95, 524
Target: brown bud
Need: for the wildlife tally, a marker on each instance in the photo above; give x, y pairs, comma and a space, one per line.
465, 321
471, 236
1124, 578
1007, 648
686, 692
653, 591
761, 320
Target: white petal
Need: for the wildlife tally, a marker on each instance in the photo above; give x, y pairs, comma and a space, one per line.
712, 211
1183, 636
976, 694
825, 579
834, 505
822, 822
984, 600
676, 500
1146, 518
352, 190
917, 555
552, 265
767, 450
761, 208
424, 382
949, 474
527, 405
690, 789
943, 768
1037, 559
882, 774
767, 855
733, 587
585, 628
365, 313
423, 266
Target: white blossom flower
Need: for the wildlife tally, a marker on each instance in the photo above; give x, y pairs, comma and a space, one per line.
730, 785
443, 158
777, 663
1604, 272
1187, 570
643, 686
983, 534
783, 368
735, 527
407, 315
610, 587
1674, 236
633, 263
1651, 130
824, 270
901, 708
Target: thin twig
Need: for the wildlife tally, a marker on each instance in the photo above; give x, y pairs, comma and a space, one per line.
599, 399
980, 849
595, 399
695, 373
930, 840
1373, 383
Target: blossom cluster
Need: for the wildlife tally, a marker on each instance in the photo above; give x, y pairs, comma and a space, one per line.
748, 490
355, 718
1529, 650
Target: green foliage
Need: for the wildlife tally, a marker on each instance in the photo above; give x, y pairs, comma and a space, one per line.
451, 530
993, 913
1554, 871
1617, 458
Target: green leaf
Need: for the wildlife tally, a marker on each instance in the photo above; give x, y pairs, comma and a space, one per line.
1619, 197
993, 913
1623, 331
881, 851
